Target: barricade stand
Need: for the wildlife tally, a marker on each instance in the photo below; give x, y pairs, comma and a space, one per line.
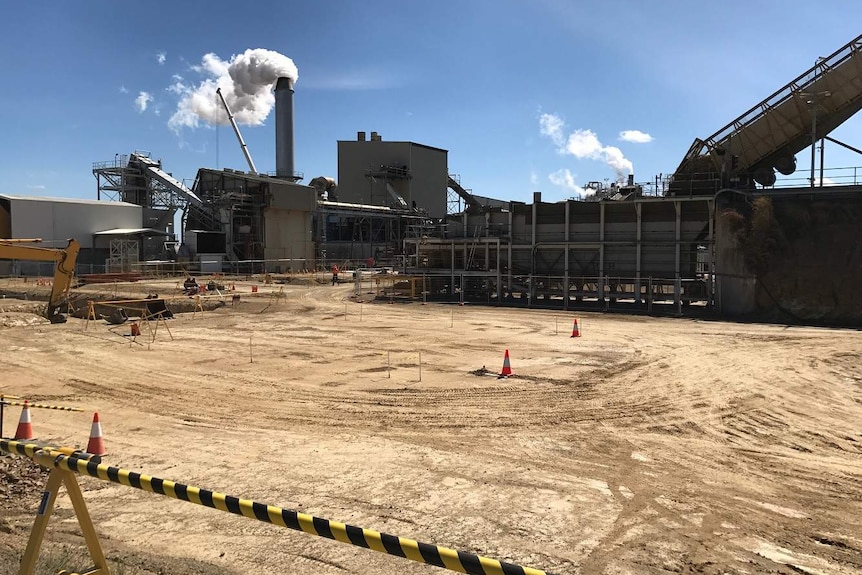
276, 296
45, 456
43, 515
91, 314
159, 318
198, 306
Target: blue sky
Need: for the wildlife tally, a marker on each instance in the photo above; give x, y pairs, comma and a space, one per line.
480, 78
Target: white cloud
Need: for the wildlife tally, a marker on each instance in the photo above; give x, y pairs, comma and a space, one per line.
38, 187
635, 136
246, 82
566, 180
552, 126
161, 57
124, 90
534, 178
584, 144
142, 101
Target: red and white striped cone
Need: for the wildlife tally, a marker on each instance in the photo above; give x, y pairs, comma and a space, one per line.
25, 425
96, 445
576, 330
507, 367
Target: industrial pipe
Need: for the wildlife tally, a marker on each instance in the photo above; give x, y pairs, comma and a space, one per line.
284, 128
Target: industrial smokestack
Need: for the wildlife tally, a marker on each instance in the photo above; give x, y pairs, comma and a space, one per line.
284, 128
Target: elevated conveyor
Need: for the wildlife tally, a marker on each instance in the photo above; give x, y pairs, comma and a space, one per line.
468, 198
766, 138
154, 170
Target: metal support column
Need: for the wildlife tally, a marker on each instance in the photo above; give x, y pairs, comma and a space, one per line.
639, 210
452, 261
499, 276
601, 253
710, 260
566, 238
677, 288
509, 251
534, 224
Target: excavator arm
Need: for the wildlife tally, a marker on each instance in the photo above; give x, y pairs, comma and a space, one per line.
63, 272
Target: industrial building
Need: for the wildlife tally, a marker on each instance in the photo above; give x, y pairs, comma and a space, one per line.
110, 233
664, 245
403, 175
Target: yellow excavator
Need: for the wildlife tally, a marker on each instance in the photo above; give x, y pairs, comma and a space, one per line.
14, 249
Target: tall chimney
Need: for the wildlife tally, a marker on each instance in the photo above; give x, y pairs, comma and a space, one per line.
284, 128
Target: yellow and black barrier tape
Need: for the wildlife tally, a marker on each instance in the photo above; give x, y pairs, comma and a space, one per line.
31, 448
445, 557
43, 406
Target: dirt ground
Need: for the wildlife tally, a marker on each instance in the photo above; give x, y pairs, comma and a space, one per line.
648, 445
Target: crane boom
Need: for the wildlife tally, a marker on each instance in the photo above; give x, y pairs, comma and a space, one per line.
236, 131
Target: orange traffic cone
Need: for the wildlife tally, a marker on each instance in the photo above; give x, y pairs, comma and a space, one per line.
96, 445
507, 367
576, 331
135, 330
25, 426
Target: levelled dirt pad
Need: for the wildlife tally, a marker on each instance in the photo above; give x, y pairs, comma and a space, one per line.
644, 446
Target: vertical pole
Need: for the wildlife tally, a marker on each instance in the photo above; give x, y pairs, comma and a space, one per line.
250, 352
2, 405
420, 365
812, 106
509, 246
389, 364
710, 286
452, 269
639, 211
360, 312
499, 276
677, 286
650, 296
822, 157
601, 282
566, 238
452, 321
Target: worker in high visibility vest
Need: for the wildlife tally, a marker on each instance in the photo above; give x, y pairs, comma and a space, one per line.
334, 274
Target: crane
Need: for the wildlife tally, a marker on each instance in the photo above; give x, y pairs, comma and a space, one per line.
230, 118
12, 249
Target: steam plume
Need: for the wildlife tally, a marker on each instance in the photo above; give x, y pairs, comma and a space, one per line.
584, 144
246, 83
